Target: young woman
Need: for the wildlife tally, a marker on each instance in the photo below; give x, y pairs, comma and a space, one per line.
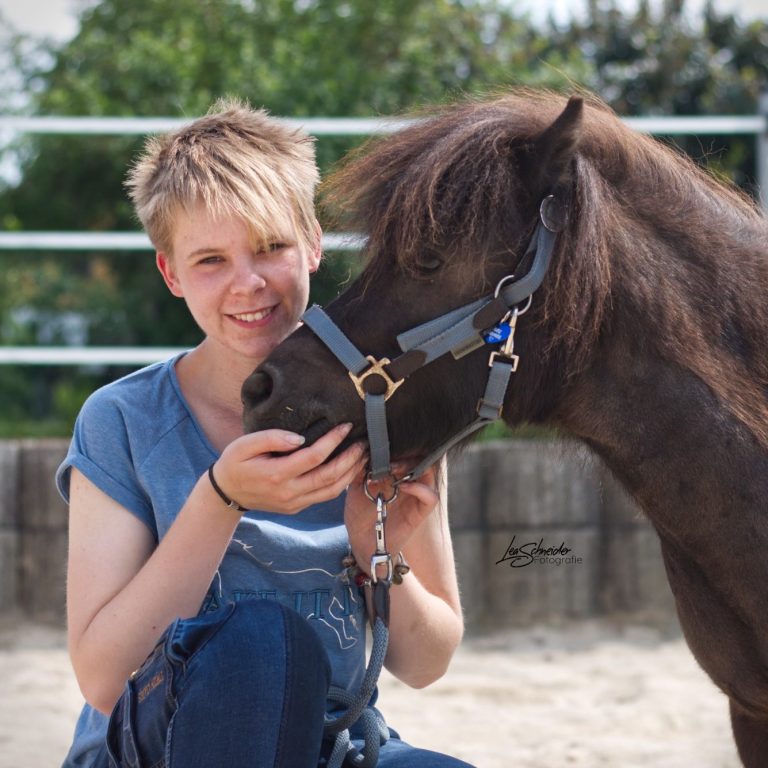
200, 634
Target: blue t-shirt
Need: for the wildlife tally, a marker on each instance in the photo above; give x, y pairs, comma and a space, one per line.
137, 440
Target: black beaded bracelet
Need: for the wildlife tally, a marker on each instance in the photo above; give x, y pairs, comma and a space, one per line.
229, 502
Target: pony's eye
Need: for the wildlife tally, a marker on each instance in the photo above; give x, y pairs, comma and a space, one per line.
429, 264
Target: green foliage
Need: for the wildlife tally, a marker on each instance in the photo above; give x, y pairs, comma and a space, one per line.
658, 60
297, 58
666, 63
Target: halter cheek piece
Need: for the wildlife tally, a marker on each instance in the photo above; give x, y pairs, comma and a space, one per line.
490, 320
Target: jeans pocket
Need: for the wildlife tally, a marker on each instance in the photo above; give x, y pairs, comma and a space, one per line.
188, 636
139, 727
121, 745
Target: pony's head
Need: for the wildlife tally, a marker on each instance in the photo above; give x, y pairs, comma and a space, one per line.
448, 206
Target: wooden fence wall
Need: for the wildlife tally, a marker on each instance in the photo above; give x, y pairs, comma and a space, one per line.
583, 549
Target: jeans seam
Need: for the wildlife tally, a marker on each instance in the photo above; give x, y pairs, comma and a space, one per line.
288, 660
169, 740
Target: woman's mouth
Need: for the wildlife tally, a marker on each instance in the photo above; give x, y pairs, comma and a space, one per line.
257, 316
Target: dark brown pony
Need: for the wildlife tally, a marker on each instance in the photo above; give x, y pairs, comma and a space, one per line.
648, 339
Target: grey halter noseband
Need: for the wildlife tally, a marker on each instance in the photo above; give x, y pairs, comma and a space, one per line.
489, 320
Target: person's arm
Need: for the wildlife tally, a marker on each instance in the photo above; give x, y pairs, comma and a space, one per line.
426, 624
120, 593
123, 591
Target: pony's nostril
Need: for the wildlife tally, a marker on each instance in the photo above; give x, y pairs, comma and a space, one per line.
257, 388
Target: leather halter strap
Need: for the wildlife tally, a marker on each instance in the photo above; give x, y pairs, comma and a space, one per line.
458, 331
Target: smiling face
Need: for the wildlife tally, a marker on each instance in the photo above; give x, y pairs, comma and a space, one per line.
245, 295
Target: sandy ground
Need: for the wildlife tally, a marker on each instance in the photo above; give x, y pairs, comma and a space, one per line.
541, 698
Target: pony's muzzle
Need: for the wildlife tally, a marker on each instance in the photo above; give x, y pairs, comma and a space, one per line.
257, 388
267, 404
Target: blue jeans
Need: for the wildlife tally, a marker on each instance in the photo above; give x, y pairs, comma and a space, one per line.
242, 687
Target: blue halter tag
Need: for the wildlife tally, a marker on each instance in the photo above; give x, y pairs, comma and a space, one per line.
498, 333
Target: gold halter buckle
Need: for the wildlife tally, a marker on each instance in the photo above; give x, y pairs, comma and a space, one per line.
376, 368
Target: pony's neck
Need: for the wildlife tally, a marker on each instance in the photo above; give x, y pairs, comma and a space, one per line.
701, 477
693, 467
678, 365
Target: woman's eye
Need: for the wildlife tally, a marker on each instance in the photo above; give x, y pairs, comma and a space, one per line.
272, 247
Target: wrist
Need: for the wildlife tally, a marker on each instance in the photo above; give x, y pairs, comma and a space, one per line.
222, 494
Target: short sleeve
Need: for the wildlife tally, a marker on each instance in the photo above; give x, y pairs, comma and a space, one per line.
102, 450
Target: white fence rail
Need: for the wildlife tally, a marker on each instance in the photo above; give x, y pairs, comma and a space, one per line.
126, 241
86, 356
11, 126
140, 126
359, 126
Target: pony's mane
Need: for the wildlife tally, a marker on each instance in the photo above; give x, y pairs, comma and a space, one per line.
648, 229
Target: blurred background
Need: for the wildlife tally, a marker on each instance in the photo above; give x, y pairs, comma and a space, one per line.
299, 59
309, 59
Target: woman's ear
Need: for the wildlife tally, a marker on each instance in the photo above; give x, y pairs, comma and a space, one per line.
165, 265
316, 250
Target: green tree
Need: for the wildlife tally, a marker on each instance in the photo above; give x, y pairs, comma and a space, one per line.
661, 60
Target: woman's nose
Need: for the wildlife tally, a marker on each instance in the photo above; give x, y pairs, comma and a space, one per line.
247, 279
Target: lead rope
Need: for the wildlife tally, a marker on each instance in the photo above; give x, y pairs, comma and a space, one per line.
376, 589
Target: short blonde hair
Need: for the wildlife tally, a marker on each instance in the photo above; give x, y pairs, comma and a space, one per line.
235, 161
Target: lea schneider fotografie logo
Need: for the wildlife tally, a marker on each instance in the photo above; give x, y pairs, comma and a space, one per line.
535, 552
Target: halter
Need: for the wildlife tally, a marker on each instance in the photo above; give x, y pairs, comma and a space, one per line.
490, 320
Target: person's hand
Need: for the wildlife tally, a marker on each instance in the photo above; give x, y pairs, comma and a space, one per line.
415, 501
250, 473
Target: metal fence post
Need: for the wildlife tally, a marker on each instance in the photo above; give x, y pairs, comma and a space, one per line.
762, 151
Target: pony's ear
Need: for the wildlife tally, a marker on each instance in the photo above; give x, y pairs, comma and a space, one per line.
551, 153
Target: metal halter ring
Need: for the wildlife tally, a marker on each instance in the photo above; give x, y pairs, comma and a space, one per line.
500, 284
378, 496
527, 306
528, 301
